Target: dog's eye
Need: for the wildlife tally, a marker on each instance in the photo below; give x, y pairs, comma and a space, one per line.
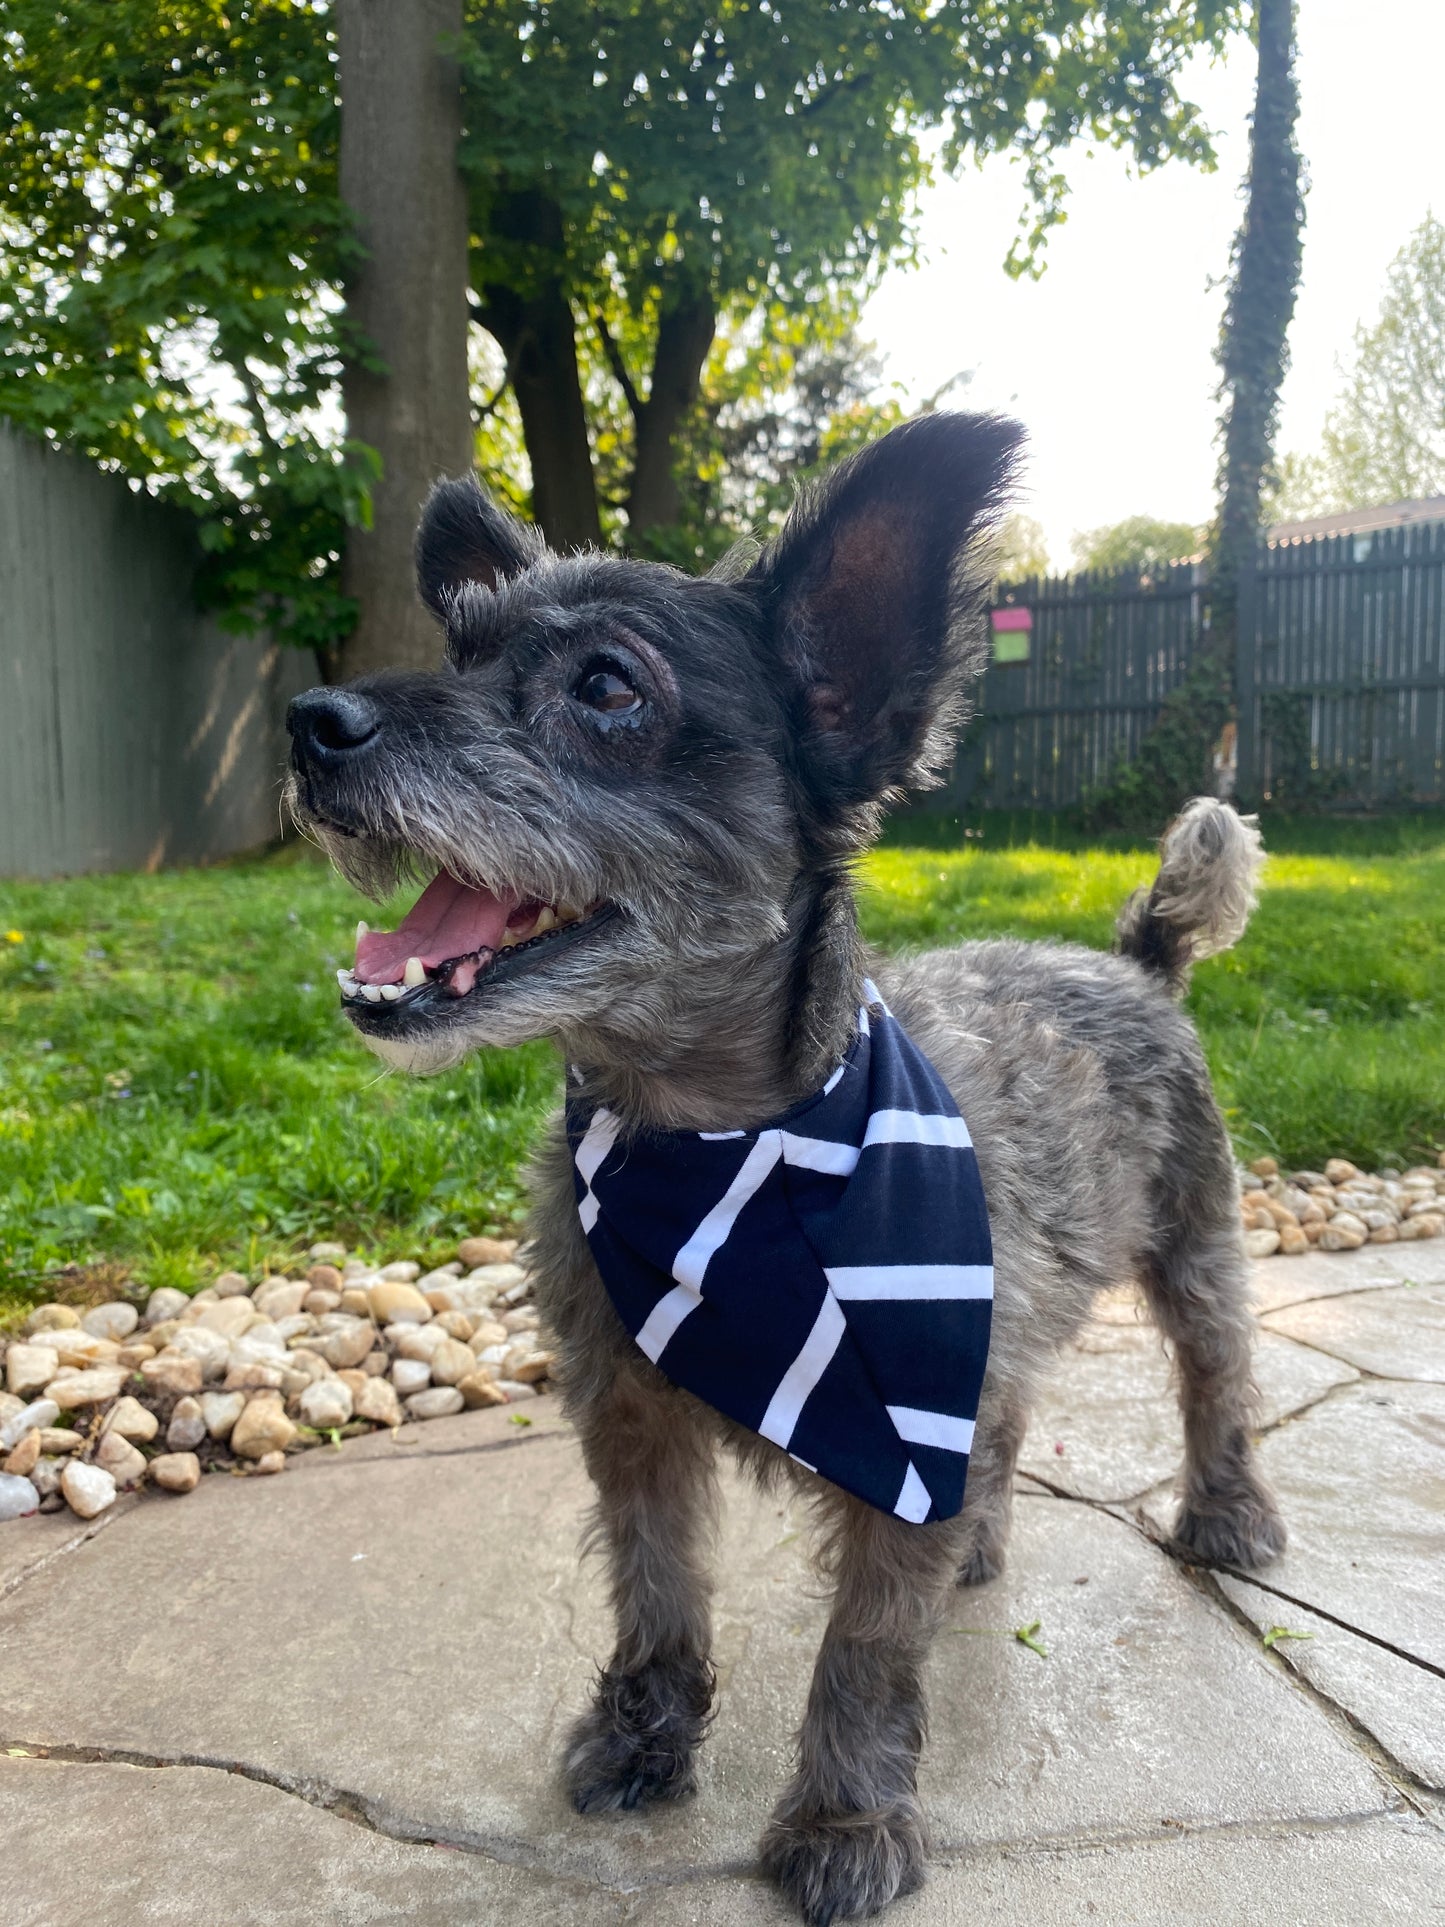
604, 688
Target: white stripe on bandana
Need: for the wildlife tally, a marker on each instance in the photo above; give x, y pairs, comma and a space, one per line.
825, 1281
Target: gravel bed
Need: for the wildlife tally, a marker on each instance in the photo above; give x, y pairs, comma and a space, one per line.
241, 1376
1339, 1208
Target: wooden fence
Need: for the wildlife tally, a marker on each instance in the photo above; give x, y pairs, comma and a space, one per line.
133, 731
1340, 676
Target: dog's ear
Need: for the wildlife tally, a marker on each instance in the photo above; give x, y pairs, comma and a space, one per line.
464, 537
876, 600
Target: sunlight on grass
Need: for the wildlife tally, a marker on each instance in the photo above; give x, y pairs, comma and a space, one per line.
177, 1086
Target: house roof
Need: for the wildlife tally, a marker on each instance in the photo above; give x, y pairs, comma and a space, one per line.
1393, 515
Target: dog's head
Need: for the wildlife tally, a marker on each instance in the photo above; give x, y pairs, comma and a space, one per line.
626, 781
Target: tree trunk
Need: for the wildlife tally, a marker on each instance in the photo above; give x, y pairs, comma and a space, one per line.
1253, 351
684, 335
537, 332
407, 300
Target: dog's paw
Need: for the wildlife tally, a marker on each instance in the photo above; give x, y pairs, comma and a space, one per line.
636, 1743
1249, 1536
843, 1866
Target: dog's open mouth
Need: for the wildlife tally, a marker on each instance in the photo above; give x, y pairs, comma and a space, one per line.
454, 939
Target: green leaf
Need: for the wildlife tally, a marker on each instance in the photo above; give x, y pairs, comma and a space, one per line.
1277, 1633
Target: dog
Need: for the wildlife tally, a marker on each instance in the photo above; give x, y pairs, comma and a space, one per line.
640, 796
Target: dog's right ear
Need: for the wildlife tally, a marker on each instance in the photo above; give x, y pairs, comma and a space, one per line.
464, 537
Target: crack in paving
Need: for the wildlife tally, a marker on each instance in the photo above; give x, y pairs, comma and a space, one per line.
338, 1461
372, 1817
88, 1531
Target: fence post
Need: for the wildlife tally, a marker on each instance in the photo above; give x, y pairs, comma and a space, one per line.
1246, 661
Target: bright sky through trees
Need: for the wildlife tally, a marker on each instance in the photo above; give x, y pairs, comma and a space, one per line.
1109, 357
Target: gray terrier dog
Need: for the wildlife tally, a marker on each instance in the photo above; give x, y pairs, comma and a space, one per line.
640, 797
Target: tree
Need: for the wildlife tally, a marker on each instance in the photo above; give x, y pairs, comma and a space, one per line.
1253, 349
640, 182
1384, 439
406, 389
170, 258
1023, 552
646, 192
1138, 542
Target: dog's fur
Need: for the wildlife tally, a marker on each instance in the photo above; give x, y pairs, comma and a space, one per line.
783, 704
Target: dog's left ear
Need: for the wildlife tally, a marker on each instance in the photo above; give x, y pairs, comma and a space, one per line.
876, 599
464, 537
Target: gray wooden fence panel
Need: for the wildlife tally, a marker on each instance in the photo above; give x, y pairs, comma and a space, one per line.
1342, 675
133, 731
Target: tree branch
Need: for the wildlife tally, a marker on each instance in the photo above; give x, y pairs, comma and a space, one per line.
619, 368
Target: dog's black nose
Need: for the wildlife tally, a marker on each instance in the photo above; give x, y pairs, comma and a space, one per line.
328, 725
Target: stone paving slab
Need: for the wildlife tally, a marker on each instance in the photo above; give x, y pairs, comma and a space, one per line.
418, 1635
1394, 1698
1112, 1408
1275, 1282
126, 1846
1398, 1333
1385, 1871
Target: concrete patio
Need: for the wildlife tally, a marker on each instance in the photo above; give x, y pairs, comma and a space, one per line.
338, 1696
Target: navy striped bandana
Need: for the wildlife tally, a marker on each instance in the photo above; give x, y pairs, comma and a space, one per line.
826, 1281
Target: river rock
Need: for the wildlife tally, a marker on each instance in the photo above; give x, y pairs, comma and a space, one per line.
231, 1284
279, 1297
356, 1301
119, 1457
46, 1476
87, 1489
416, 1341
402, 1270
374, 1399
9, 1406
525, 1365
263, 1427
47, 1318
131, 1357
324, 1278
71, 1390
188, 1425
1340, 1170
480, 1389
21, 1462
30, 1368
485, 1251
328, 1252
515, 1389
344, 1348
78, 1350
18, 1497
164, 1304
410, 1375
210, 1348
115, 1321
173, 1372
270, 1462
220, 1410
132, 1421
319, 1300
59, 1439
442, 1401
38, 1413
253, 1378
489, 1332
394, 1301
456, 1324
451, 1362
176, 1471
228, 1316
523, 1319
325, 1404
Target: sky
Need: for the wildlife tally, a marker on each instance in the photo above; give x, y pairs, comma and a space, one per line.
1108, 358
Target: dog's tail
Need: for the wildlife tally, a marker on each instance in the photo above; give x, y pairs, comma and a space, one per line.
1209, 863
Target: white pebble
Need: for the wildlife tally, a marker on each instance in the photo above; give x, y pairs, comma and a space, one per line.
40, 1411
18, 1496
88, 1489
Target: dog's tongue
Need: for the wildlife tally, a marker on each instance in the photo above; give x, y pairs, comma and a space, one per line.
449, 919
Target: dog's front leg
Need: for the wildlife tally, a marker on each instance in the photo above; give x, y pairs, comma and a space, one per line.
652, 1460
849, 1835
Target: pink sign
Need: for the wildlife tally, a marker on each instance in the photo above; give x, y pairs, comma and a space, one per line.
1006, 619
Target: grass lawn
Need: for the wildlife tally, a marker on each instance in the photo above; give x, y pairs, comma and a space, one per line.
177, 1086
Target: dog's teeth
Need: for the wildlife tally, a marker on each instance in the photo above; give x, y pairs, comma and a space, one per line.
546, 920
345, 979
362, 930
391, 992
568, 913
414, 976
508, 940
372, 993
